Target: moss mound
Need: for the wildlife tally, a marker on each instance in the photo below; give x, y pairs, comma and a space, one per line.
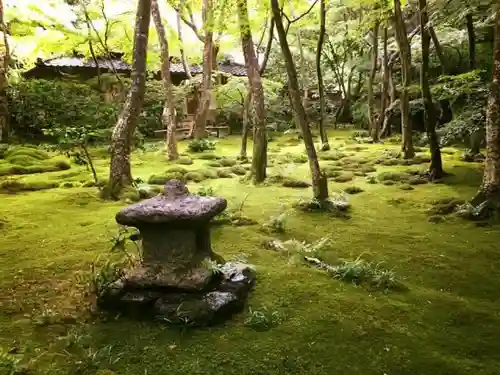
353, 190
344, 177
30, 152
16, 186
239, 170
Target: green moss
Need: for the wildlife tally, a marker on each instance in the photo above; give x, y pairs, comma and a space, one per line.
344, 177
353, 190
27, 151
208, 173
227, 162
239, 170
184, 161
406, 187
295, 183
16, 186
179, 170
214, 164
207, 156
393, 176
195, 176
224, 173
162, 179
22, 160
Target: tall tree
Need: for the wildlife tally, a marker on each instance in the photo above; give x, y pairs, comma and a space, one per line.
319, 182
405, 56
168, 115
471, 33
371, 78
185, 63
490, 187
384, 87
120, 174
259, 158
430, 118
4, 66
321, 87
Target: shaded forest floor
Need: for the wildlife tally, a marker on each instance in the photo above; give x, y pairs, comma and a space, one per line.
447, 322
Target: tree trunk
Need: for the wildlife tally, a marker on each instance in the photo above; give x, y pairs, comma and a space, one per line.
319, 182
439, 50
371, 78
268, 48
4, 66
384, 92
120, 172
200, 122
321, 89
405, 53
430, 119
246, 124
393, 95
490, 188
168, 115
472, 41
259, 157
185, 63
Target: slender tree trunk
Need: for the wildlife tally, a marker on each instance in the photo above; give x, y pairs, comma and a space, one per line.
439, 50
490, 188
4, 66
393, 95
384, 89
321, 89
472, 41
268, 48
303, 77
319, 182
371, 78
246, 124
168, 115
405, 53
200, 122
430, 118
120, 171
185, 63
259, 157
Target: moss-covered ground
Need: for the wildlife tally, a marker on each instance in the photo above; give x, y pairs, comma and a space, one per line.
447, 322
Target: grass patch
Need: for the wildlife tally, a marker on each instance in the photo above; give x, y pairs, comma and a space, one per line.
344, 177
17, 186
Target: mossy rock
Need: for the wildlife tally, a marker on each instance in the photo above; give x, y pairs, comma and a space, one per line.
27, 151
184, 161
15, 186
294, 183
195, 176
331, 156
393, 176
406, 187
367, 169
353, 190
224, 173
239, 170
214, 164
227, 162
208, 173
162, 179
207, 156
344, 177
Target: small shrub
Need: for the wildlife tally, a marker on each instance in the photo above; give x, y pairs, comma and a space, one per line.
355, 271
9, 364
239, 170
226, 162
337, 205
163, 179
353, 190
195, 176
483, 211
184, 161
371, 180
445, 206
206, 191
276, 224
264, 319
344, 177
392, 176
201, 145
294, 183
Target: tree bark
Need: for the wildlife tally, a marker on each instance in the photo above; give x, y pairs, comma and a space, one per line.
246, 124
185, 63
259, 156
384, 88
490, 187
393, 95
405, 53
120, 171
472, 41
439, 50
168, 116
319, 182
321, 87
430, 118
4, 66
268, 48
371, 78
200, 122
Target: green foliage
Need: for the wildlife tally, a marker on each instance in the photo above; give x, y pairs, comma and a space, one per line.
264, 319
13, 186
353, 190
276, 224
206, 191
201, 145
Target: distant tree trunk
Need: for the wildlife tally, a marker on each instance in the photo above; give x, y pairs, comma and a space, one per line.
439, 50
371, 78
321, 89
168, 115
405, 55
185, 63
4, 66
430, 119
319, 182
246, 124
384, 89
393, 95
120, 172
259, 156
472, 41
490, 188
303, 75
268, 48
200, 122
